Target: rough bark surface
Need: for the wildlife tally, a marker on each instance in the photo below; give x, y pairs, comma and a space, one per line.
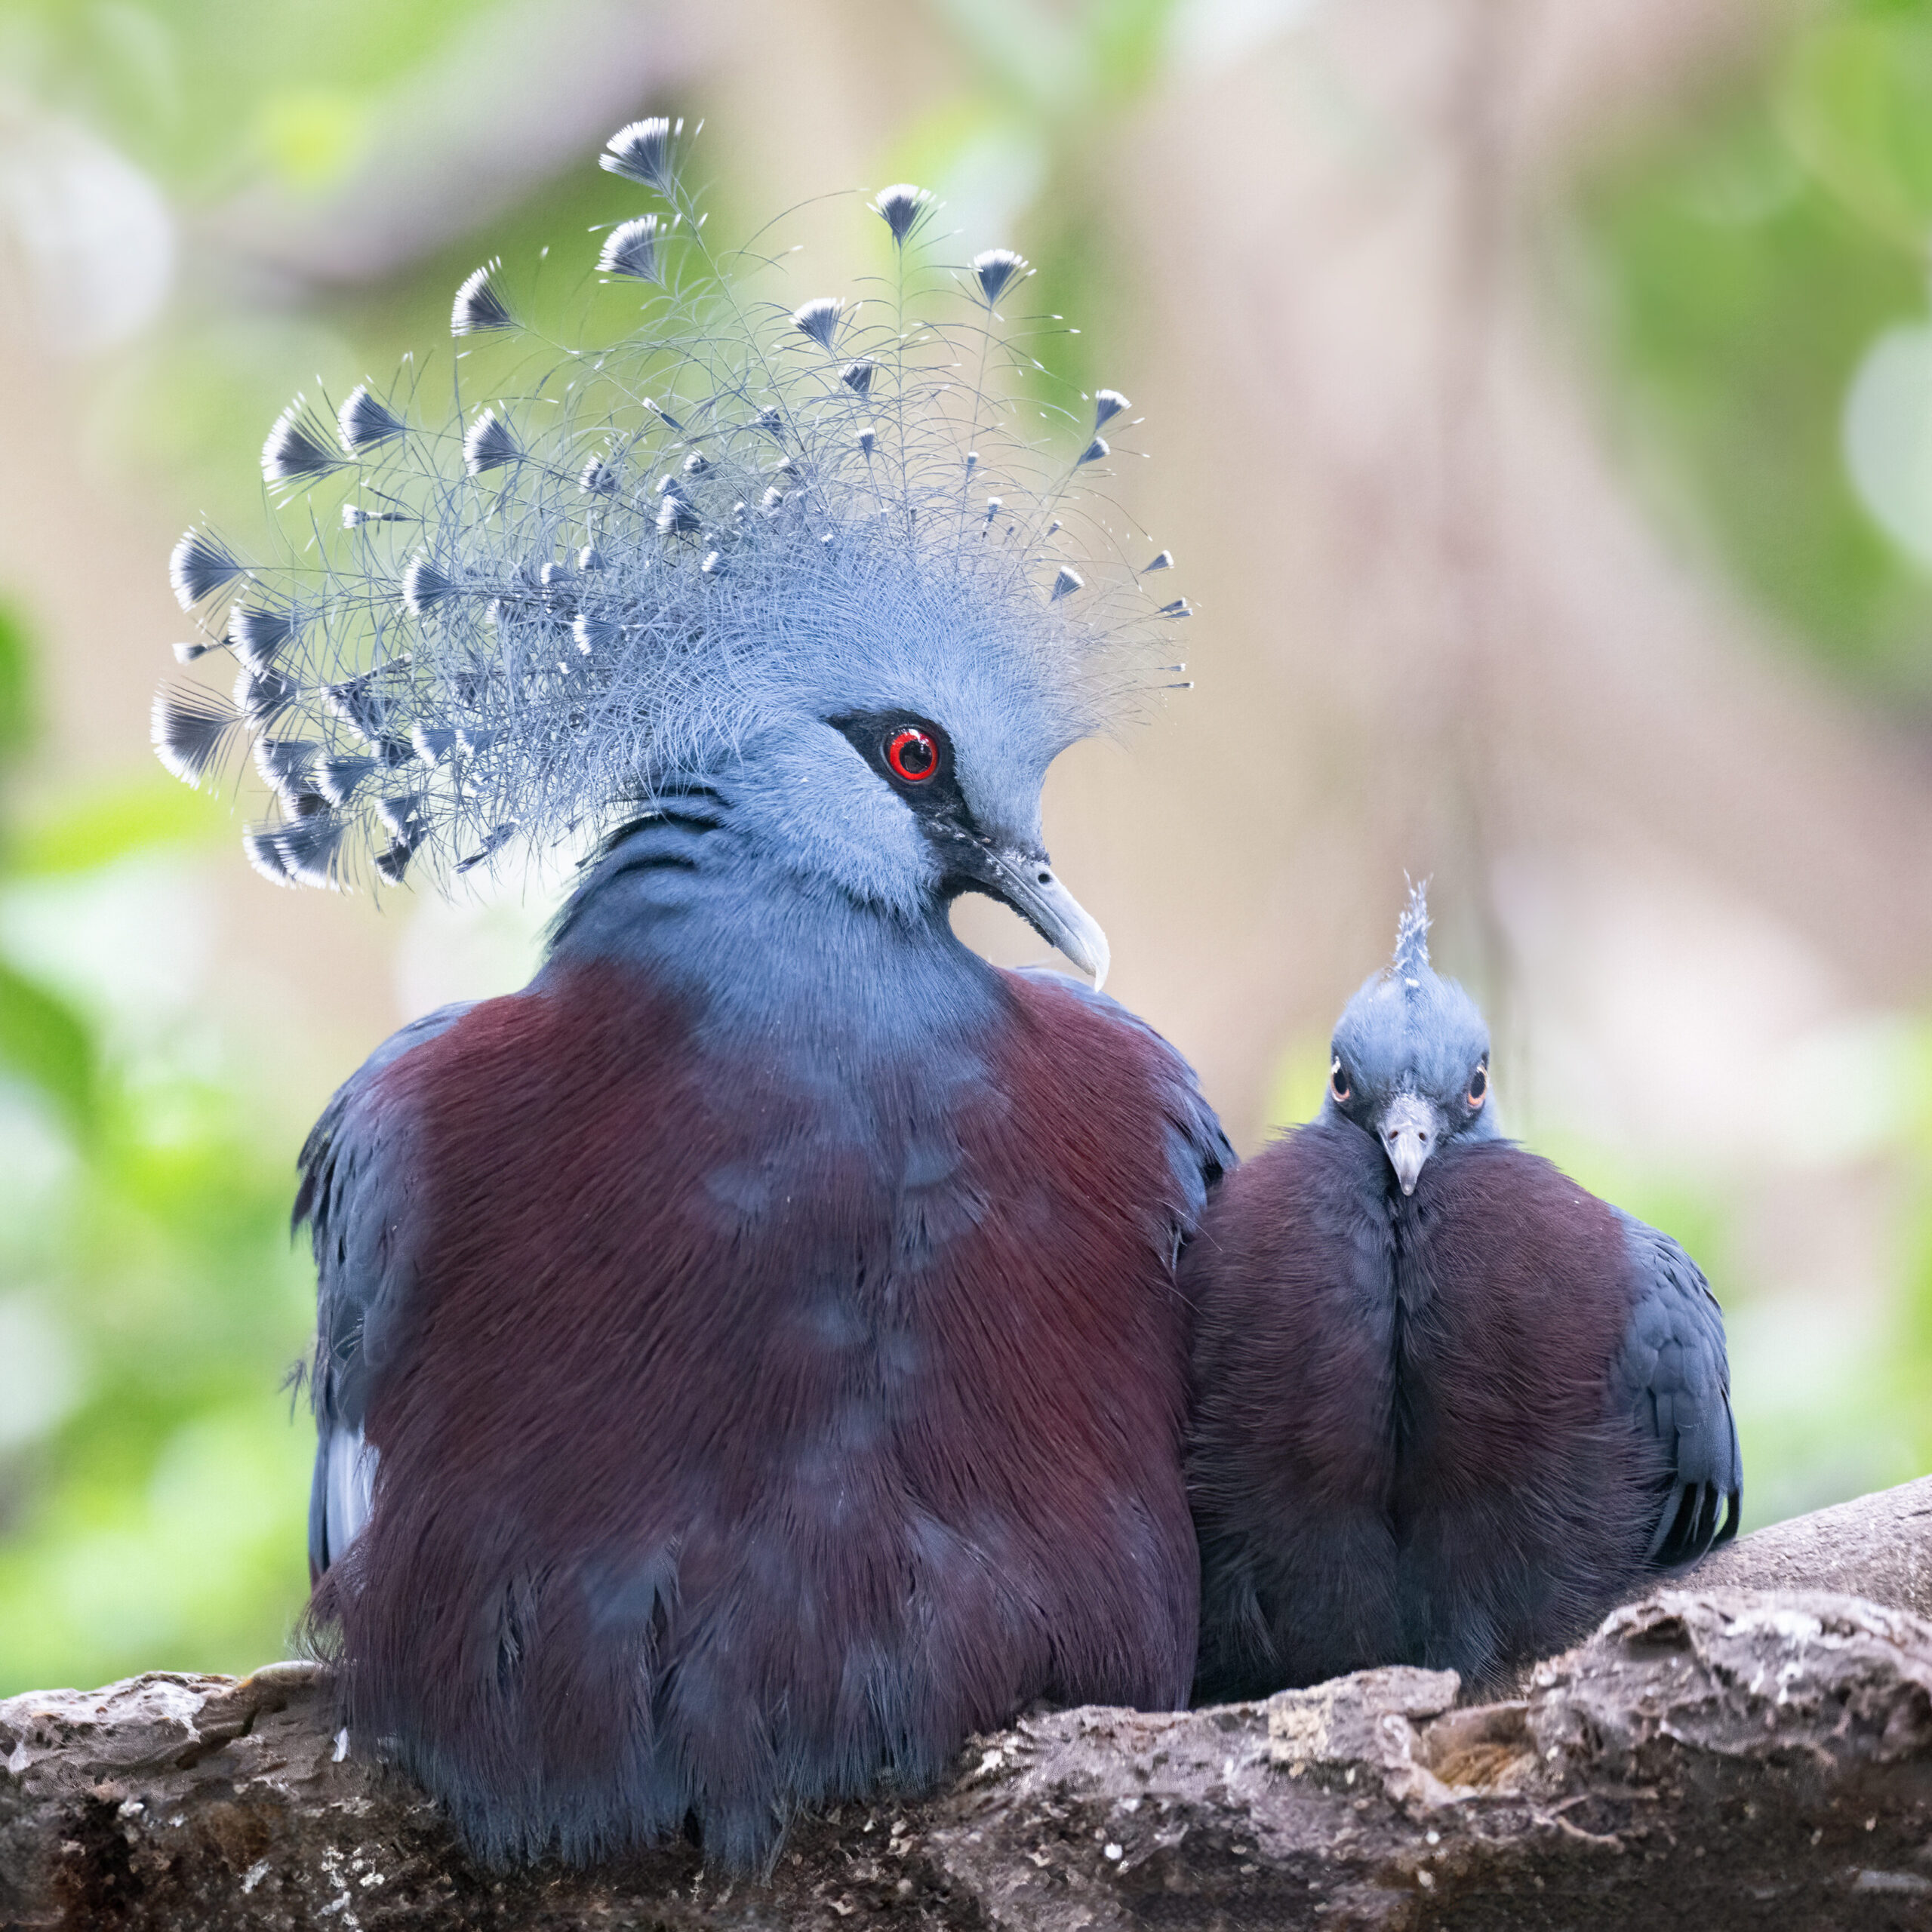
1711, 1757
1879, 1546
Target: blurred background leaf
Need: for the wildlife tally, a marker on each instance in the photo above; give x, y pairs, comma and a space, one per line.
44, 1044
16, 704
1857, 107
1738, 294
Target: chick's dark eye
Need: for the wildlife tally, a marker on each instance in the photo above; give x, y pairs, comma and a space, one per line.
1478, 1086
912, 754
1338, 1081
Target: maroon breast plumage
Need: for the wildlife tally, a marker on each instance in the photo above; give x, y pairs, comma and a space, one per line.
748, 1436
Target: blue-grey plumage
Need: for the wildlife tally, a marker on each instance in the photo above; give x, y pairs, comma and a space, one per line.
1673, 1376
1447, 1407
1411, 1055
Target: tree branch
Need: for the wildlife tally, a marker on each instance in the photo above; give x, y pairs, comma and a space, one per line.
1879, 1546
1712, 1756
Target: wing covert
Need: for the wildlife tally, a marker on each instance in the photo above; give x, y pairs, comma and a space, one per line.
357, 1184
1199, 1149
1674, 1377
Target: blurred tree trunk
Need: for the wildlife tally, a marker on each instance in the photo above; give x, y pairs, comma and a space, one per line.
1474, 650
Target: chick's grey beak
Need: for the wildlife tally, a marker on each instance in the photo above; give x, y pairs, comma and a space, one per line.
1409, 1130
1029, 884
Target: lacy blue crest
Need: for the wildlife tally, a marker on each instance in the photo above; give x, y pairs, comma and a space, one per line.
525, 613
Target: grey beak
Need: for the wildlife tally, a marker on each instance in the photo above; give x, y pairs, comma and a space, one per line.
1409, 1130
1028, 885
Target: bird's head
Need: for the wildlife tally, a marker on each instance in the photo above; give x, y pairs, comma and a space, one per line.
903, 755
820, 561
1409, 1065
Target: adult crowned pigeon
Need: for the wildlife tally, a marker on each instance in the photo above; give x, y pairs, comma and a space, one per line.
750, 1359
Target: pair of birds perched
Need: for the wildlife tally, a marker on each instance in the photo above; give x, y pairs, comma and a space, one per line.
760, 1353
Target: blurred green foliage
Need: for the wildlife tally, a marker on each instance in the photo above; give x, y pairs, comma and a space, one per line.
150, 1486
1760, 280
1046, 83
208, 94
1743, 263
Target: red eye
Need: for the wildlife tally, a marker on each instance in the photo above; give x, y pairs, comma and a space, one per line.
912, 755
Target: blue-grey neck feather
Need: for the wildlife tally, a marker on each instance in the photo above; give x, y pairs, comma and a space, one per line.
654, 557
772, 953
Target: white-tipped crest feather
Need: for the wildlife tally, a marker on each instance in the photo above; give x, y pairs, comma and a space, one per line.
479, 306
298, 448
903, 208
642, 153
365, 421
996, 270
631, 249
